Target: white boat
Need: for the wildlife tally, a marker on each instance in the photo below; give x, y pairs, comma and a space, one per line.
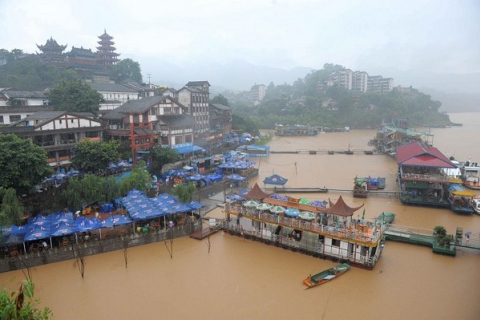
476, 205
471, 175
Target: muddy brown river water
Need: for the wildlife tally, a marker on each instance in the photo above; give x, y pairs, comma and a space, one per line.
243, 279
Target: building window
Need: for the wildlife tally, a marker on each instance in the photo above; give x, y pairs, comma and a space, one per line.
71, 121
335, 243
15, 118
60, 121
1, 119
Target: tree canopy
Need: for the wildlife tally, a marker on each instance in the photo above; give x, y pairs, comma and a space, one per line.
22, 304
126, 68
27, 72
162, 156
220, 99
23, 163
310, 101
12, 210
75, 96
91, 156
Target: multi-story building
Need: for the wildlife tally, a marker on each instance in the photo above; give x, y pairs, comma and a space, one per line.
113, 94
379, 84
360, 81
195, 97
257, 93
150, 121
16, 104
57, 132
343, 78
220, 121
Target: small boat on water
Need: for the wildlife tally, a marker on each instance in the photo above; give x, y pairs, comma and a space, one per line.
476, 205
471, 175
326, 275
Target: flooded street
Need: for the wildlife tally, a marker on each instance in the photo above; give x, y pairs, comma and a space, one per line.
244, 279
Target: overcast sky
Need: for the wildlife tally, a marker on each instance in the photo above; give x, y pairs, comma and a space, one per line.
423, 35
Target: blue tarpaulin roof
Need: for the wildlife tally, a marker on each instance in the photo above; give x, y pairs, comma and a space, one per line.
189, 149
275, 179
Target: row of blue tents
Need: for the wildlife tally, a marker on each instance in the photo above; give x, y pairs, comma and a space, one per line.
137, 204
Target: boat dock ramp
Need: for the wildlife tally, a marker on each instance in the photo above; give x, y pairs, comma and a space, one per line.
425, 237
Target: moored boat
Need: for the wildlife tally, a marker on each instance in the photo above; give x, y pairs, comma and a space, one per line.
360, 187
461, 200
471, 175
476, 205
326, 275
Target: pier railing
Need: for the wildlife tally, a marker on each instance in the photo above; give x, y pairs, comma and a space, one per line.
309, 246
23, 260
367, 232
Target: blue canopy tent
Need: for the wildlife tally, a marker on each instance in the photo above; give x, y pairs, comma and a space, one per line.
13, 240
188, 149
116, 220
275, 179
194, 205
214, 177
235, 177
84, 224
62, 229
235, 197
57, 217
179, 208
38, 233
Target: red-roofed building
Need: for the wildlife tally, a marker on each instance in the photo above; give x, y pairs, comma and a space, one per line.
422, 178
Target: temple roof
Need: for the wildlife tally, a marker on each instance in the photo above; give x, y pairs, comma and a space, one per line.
51, 46
421, 155
340, 208
256, 193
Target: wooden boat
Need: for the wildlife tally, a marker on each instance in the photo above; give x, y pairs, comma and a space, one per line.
360, 189
326, 275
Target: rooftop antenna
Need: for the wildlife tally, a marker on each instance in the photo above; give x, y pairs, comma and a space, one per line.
148, 75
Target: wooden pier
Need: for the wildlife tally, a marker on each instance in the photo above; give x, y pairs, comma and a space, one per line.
297, 190
419, 237
204, 233
325, 151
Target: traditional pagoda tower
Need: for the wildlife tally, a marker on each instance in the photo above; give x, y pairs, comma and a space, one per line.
52, 52
106, 55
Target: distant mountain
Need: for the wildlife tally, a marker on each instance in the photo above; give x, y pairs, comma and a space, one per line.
237, 75
455, 102
457, 92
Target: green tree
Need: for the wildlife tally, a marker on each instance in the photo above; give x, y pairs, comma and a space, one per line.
184, 192
220, 99
21, 304
162, 156
126, 68
139, 179
12, 210
23, 163
91, 156
75, 96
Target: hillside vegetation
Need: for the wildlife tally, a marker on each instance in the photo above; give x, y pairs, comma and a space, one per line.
310, 102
